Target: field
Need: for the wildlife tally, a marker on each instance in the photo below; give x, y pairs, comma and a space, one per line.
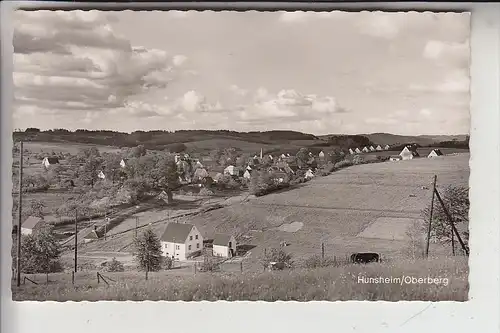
361, 208
328, 283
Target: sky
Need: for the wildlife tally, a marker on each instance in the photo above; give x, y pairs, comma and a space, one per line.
319, 73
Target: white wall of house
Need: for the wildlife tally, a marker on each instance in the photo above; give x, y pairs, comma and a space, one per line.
26, 231
193, 243
223, 251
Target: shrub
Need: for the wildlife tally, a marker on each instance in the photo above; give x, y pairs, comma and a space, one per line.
210, 264
115, 266
278, 256
205, 192
343, 164
167, 263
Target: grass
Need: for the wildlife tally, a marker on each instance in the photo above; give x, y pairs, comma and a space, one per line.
326, 283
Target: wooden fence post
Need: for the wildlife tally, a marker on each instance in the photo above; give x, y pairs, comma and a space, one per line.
72, 277
322, 250
98, 278
430, 217
241, 266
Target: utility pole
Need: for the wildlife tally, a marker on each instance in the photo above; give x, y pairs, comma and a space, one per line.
136, 225
18, 259
76, 239
430, 217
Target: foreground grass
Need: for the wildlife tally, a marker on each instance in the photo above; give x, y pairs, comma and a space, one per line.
327, 283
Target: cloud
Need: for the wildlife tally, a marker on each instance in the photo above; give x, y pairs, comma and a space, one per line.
288, 105
237, 90
457, 81
73, 60
194, 102
179, 59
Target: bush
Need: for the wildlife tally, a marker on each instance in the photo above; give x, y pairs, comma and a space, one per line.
343, 164
115, 266
167, 263
210, 264
278, 256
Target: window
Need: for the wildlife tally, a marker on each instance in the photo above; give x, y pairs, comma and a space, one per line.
190, 237
177, 247
196, 236
189, 247
197, 245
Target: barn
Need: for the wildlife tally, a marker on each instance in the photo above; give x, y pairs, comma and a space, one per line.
179, 240
31, 225
435, 153
224, 246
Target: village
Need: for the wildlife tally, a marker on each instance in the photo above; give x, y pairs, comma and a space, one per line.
232, 174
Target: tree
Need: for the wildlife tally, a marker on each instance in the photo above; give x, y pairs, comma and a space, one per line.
90, 170
148, 253
415, 245
40, 253
137, 152
112, 167
36, 208
302, 156
456, 200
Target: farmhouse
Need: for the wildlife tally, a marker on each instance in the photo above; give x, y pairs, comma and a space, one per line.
200, 174
321, 155
48, 161
379, 148
224, 246
372, 148
386, 147
408, 153
365, 149
31, 225
180, 240
123, 163
357, 151
231, 170
309, 174
247, 174
395, 158
351, 151
101, 175
435, 153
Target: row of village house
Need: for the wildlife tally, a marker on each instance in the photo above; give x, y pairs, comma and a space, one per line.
178, 241
280, 166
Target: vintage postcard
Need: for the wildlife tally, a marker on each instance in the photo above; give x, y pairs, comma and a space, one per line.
240, 156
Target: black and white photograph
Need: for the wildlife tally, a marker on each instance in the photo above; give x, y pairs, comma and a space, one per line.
240, 156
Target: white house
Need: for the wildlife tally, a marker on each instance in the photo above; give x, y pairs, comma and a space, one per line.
101, 175
379, 148
123, 163
283, 156
247, 175
408, 153
395, 158
200, 174
386, 147
365, 149
357, 151
321, 155
435, 153
351, 151
224, 246
372, 148
179, 240
309, 174
48, 161
30, 225
249, 168
271, 157
231, 170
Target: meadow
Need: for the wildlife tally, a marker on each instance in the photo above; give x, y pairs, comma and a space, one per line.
326, 283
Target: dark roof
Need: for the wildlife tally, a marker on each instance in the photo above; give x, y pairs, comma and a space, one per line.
31, 222
52, 160
438, 152
222, 239
176, 232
